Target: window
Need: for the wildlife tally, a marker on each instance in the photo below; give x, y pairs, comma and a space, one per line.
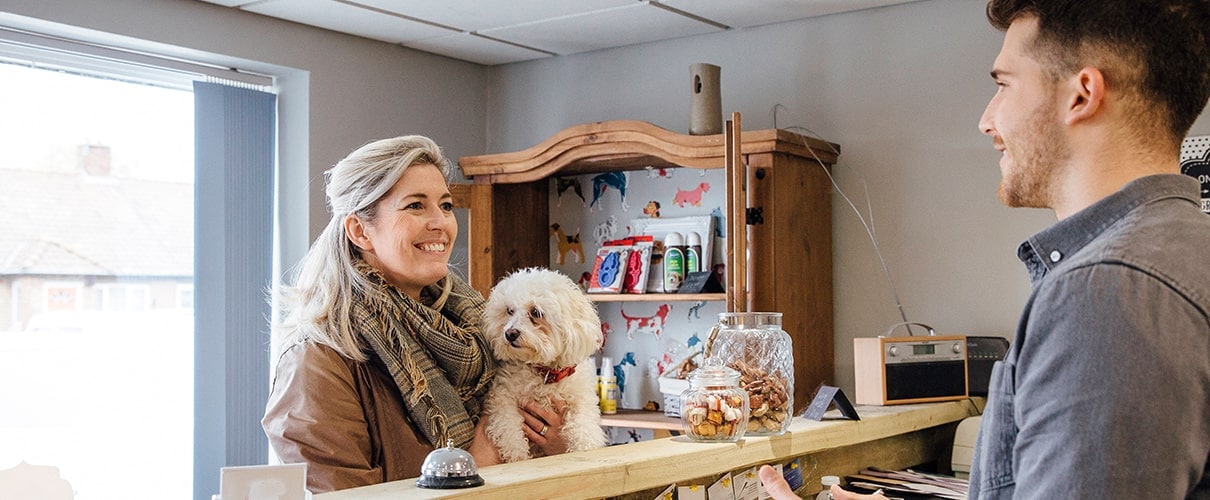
97, 273
95, 375
123, 297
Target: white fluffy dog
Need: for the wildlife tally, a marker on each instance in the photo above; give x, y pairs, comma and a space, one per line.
542, 329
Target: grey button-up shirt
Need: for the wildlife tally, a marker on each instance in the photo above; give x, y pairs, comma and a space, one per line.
1105, 392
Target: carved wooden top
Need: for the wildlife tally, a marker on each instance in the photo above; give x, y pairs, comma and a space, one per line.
631, 145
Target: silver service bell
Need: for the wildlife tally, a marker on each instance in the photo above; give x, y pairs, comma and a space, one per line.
449, 468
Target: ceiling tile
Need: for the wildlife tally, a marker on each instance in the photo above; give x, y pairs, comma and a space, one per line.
746, 13
476, 49
475, 15
631, 24
351, 19
229, 3
449, 27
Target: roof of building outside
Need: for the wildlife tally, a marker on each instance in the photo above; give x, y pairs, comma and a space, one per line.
77, 224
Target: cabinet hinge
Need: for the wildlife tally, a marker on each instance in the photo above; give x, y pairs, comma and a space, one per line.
755, 216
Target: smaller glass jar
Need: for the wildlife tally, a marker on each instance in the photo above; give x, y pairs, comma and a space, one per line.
714, 407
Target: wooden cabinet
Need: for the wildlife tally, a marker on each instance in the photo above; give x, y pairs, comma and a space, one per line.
779, 202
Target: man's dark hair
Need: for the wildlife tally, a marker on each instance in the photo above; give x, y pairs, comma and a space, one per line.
1156, 51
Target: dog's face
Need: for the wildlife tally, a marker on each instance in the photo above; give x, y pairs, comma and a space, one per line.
541, 317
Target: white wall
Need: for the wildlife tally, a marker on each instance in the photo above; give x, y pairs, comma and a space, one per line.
899, 88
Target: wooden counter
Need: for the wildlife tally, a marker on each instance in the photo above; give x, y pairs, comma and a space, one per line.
892, 437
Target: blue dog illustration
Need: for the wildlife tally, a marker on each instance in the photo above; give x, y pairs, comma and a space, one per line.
616, 180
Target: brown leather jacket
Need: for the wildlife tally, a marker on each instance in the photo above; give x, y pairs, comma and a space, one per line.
344, 419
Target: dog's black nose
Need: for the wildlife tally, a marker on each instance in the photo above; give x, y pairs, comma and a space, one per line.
511, 334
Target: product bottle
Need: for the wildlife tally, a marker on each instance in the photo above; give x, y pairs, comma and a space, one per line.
609, 387
826, 492
693, 253
674, 262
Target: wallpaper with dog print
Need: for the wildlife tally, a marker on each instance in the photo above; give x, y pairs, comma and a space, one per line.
641, 338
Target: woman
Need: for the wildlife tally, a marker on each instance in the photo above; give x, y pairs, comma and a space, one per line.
382, 357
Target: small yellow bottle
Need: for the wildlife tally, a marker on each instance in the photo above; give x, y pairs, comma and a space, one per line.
608, 388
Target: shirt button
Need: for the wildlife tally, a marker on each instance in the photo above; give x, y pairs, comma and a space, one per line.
1055, 256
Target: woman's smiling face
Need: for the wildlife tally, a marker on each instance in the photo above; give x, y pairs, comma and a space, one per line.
413, 230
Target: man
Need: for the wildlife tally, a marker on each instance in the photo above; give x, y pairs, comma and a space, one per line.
1105, 392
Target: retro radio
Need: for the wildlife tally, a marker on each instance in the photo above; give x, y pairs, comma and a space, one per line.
913, 369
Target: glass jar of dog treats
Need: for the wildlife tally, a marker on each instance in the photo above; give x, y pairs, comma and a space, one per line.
753, 344
714, 407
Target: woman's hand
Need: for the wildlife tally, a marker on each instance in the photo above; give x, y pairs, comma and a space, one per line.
543, 426
482, 449
778, 489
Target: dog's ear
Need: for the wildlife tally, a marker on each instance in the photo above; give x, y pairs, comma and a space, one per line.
584, 329
495, 310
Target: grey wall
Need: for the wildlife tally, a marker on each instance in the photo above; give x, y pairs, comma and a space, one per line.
899, 88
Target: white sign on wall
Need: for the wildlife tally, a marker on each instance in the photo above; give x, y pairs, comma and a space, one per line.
1195, 162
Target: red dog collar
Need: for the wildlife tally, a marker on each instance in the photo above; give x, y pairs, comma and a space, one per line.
550, 375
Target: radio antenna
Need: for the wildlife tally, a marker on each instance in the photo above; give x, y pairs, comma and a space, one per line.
868, 225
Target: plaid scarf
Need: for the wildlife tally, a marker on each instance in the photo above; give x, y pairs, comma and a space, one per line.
439, 359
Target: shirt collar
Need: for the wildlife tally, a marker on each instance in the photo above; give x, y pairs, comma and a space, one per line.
1043, 251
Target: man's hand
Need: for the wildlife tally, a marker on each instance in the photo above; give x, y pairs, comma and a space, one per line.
775, 485
779, 489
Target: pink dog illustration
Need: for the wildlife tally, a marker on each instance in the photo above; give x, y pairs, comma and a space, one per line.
692, 197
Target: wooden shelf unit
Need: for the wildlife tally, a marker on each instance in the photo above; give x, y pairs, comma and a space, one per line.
776, 174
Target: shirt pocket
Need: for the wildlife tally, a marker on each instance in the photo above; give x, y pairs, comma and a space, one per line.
999, 430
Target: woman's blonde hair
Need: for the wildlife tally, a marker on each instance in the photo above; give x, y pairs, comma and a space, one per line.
317, 306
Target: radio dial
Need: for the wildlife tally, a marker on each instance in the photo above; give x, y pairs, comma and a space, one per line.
893, 350
957, 348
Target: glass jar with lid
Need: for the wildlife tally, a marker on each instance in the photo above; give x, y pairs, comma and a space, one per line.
714, 407
754, 344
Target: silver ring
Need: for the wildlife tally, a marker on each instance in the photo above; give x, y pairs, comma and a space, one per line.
543, 431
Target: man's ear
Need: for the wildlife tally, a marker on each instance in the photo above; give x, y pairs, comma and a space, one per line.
355, 229
1087, 93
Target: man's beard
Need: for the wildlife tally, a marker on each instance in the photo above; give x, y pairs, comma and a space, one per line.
1037, 156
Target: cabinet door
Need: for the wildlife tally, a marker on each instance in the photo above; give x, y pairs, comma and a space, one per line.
503, 234
790, 259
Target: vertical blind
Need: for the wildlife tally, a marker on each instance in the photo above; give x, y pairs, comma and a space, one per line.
235, 165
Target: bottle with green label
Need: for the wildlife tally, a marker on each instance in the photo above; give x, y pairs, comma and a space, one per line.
674, 262
693, 253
